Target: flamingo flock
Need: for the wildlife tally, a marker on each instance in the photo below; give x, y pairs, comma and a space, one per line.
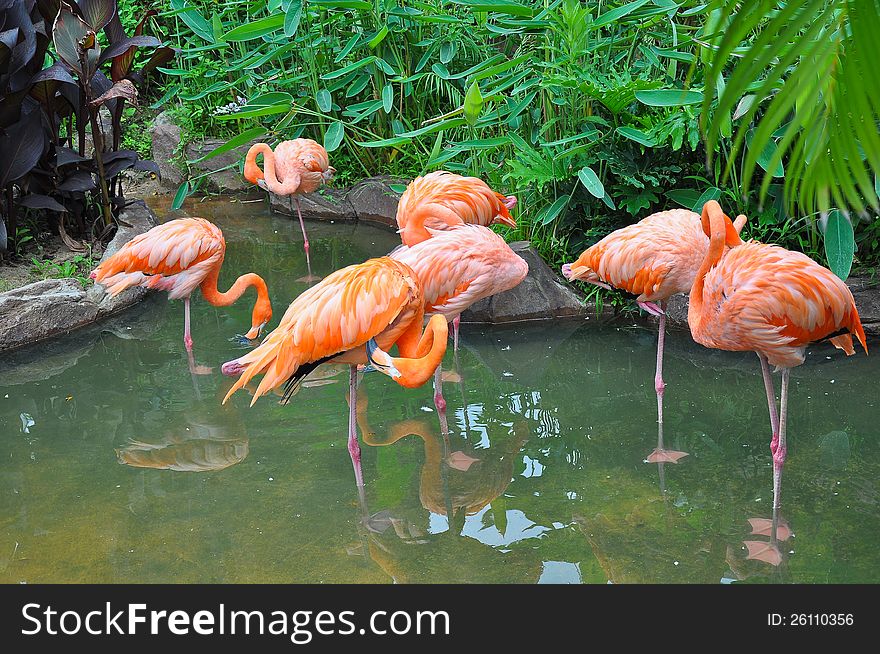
744, 296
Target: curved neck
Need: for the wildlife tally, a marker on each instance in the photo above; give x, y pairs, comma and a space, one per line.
415, 230
713, 219
416, 371
213, 295
252, 172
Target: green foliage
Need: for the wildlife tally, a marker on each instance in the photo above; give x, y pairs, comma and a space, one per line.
78, 267
589, 111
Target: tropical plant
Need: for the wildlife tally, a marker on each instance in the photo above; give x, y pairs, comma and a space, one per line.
47, 111
806, 92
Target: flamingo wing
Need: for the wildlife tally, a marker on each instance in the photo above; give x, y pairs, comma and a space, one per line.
654, 259
339, 314
774, 301
174, 256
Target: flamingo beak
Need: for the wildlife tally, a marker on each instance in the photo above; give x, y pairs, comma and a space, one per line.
566, 271
505, 220
381, 360
232, 368
328, 174
262, 184
255, 332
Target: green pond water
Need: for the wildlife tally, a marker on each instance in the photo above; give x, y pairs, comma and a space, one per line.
117, 465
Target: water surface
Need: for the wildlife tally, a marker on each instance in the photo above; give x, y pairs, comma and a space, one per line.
117, 465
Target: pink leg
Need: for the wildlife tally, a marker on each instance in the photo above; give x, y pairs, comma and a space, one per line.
771, 402
659, 384
455, 323
440, 401
780, 450
354, 448
187, 337
305, 237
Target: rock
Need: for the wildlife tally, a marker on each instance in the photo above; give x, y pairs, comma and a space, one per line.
166, 137
325, 204
371, 200
541, 296
374, 201
225, 179
51, 307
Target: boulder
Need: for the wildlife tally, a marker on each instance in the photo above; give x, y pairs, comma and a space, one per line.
166, 137
542, 295
51, 307
325, 204
374, 201
225, 176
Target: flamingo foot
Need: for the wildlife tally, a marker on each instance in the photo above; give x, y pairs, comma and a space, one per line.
450, 377
460, 461
308, 279
764, 527
659, 455
651, 308
198, 369
760, 550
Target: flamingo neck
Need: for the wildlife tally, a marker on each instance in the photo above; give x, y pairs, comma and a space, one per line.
252, 172
713, 219
417, 370
415, 230
262, 307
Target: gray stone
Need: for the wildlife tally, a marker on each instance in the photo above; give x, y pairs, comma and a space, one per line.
540, 296
166, 137
325, 204
222, 177
374, 201
52, 307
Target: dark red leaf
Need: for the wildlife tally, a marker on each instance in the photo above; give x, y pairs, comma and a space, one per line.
121, 47
122, 89
22, 147
57, 72
97, 13
65, 156
68, 32
148, 166
78, 181
37, 201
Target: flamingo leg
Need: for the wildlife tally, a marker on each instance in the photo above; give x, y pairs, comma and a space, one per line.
455, 323
661, 455
659, 384
302, 226
354, 448
440, 401
771, 400
779, 451
187, 336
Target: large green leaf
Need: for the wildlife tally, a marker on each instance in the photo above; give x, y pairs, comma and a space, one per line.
636, 135
591, 181
710, 193
245, 137
669, 97
473, 104
840, 243
333, 136
256, 29
615, 15
292, 18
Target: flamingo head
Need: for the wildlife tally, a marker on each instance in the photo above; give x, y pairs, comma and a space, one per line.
328, 174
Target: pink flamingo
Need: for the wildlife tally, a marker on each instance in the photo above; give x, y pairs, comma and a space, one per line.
457, 267
178, 257
441, 199
768, 300
654, 259
295, 167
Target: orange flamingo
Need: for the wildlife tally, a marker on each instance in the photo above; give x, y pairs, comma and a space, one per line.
766, 299
456, 268
353, 316
177, 257
295, 167
442, 199
654, 259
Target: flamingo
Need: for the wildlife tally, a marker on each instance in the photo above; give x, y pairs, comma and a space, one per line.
441, 199
655, 258
177, 257
295, 167
771, 301
457, 267
353, 316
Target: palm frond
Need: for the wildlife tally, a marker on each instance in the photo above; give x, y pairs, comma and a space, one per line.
814, 68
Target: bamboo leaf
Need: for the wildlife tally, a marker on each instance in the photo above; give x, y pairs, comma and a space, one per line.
591, 181
333, 136
669, 97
